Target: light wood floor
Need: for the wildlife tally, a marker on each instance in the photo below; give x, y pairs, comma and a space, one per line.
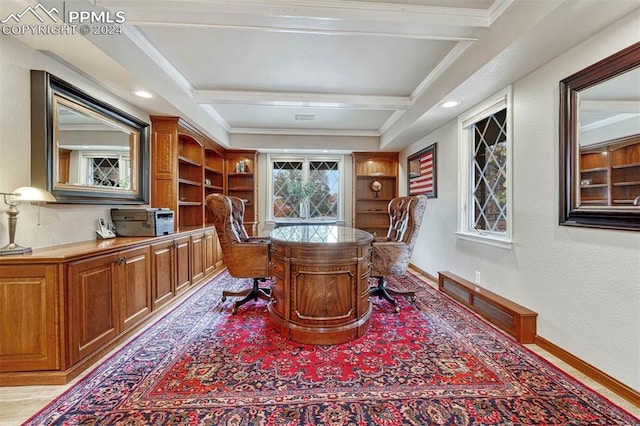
19, 403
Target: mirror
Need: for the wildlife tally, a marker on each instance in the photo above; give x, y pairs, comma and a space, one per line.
84, 150
600, 144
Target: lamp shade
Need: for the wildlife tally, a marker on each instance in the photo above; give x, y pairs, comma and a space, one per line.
28, 193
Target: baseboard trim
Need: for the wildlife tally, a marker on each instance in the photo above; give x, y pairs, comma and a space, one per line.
592, 372
423, 272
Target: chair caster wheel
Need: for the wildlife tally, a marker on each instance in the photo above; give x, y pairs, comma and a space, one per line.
396, 309
224, 298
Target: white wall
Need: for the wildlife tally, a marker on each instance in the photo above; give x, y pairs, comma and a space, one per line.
584, 283
60, 224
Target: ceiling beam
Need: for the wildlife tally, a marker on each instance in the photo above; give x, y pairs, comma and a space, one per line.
290, 99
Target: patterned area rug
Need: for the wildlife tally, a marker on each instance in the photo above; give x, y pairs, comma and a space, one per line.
434, 363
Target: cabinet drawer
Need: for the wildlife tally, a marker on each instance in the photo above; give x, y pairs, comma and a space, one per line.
276, 252
276, 268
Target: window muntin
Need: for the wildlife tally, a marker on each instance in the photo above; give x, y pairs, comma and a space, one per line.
485, 190
109, 170
325, 176
489, 186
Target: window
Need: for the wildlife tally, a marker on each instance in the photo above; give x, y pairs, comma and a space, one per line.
291, 176
485, 172
106, 169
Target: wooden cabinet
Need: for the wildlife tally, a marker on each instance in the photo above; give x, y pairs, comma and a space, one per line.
241, 182
64, 307
163, 272
212, 253
197, 247
30, 322
370, 206
610, 173
108, 295
183, 271
133, 275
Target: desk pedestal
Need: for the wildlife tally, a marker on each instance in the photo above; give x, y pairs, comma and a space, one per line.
320, 292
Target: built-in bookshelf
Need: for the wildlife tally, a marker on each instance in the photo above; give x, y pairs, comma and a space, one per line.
610, 173
241, 182
375, 184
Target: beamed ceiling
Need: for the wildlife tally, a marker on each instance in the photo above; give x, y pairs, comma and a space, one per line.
373, 68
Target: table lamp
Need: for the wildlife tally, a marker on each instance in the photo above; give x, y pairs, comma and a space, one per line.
12, 199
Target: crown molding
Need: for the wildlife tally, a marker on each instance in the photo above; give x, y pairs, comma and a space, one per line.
440, 69
149, 49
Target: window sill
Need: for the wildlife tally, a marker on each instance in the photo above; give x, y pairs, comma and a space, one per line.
486, 239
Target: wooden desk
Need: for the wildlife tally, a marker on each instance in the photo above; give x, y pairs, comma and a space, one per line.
320, 283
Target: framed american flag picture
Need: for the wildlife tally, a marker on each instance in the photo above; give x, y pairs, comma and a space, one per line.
421, 169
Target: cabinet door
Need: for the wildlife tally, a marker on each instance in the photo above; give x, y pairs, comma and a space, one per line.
93, 315
29, 323
210, 242
163, 273
197, 257
183, 277
133, 279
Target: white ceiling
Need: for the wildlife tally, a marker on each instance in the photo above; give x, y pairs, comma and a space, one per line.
375, 68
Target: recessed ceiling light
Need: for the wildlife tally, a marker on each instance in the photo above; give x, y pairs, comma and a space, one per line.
450, 104
142, 94
305, 117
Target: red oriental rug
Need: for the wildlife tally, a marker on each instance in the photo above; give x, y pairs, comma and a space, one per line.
434, 363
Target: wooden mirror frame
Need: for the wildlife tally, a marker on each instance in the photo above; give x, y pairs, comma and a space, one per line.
45, 88
571, 213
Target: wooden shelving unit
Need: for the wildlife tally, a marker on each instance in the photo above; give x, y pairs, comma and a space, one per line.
241, 183
610, 173
186, 167
369, 206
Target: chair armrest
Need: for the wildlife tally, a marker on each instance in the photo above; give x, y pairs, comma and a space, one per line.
255, 240
380, 239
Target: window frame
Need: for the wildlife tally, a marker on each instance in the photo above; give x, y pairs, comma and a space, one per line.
306, 160
465, 231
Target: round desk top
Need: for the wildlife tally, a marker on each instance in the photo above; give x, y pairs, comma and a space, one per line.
320, 234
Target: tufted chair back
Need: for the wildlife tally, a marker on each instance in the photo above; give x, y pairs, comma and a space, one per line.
391, 255
237, 219
244, 256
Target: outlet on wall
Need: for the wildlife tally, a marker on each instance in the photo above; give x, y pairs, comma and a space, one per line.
477, 278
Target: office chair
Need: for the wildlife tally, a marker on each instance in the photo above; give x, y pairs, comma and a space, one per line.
391, 254
244, 256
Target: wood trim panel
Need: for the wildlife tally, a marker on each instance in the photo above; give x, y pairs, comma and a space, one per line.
25, 298
513, 318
